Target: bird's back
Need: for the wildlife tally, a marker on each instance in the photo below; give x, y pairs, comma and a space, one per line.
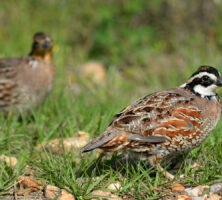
171, 121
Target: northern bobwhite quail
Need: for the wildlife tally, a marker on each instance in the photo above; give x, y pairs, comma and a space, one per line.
25, 82
164, 124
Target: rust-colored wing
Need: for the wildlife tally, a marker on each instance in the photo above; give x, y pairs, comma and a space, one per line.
8, 82
149, 120
150, 112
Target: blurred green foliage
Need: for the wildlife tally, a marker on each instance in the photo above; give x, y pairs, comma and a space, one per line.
120, 32
154, 37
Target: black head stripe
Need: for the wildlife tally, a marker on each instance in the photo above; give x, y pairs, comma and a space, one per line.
208, 69
199, 81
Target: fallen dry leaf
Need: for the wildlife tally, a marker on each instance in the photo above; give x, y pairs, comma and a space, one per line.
177, 187
183, 197
28, 185
24, 192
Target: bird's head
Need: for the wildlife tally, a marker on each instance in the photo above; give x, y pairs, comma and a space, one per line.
42, 46
204, 81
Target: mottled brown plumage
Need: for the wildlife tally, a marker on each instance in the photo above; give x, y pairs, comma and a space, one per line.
25, 82
164, 124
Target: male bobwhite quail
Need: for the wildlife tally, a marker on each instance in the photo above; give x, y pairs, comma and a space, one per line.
25, 82
164, 124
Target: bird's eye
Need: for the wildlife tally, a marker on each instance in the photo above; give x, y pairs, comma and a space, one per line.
205, 78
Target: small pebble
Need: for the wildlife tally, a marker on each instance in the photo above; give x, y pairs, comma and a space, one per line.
108, 195
217, 187
11, 161
197, 191
114, 186
52, 192
66, 196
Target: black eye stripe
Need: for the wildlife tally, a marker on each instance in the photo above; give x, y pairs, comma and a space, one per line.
205, 78
199, 81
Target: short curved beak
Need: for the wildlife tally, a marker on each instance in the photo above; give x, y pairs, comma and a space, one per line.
219, 82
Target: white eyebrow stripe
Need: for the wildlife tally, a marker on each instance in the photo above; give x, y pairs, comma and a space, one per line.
212, 76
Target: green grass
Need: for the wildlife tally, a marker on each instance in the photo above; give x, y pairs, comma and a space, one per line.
63, 114
136, 63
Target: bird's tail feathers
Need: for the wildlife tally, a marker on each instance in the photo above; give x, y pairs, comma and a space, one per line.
99, 141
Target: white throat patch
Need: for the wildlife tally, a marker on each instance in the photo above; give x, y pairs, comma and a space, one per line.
33, 63
205, 91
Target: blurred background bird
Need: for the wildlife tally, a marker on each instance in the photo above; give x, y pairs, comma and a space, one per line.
26, 82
